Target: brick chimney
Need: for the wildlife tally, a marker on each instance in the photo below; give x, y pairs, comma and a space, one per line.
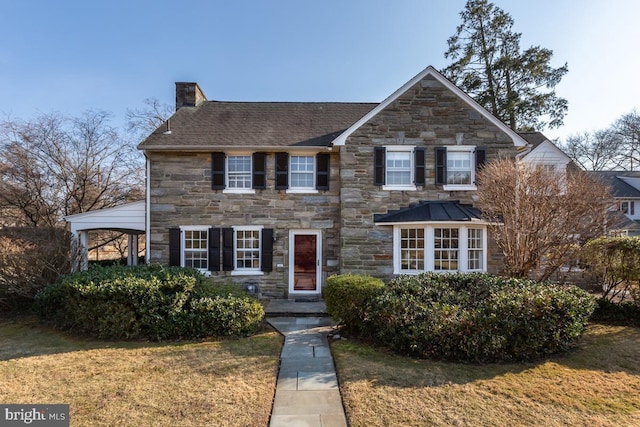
188, 95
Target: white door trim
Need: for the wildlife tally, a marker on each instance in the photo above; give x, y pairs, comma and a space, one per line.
318, 234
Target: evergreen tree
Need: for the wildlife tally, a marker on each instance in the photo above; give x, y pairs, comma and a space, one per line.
490, 66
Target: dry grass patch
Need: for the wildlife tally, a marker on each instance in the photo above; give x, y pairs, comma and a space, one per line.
598, 384
223, 383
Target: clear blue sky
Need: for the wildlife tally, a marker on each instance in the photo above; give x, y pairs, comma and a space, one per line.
70, 56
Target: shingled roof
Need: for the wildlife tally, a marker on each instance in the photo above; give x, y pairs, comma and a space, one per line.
615, 180
217, 124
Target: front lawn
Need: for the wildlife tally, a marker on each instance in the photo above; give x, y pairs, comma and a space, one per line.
228, 382
597, 384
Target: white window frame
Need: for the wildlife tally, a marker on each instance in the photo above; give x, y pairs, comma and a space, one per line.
470, 149
409, 149
247, 271
183, 245
292, 189
429, 249
227, 188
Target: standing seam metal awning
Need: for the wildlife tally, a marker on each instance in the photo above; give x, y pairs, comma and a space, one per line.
430, 210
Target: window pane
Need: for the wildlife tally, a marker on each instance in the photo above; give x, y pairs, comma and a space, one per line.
458, 168
412, 249
248, 249
239, 171
475, 249
445, 254
398, 168
302, 172
195, 249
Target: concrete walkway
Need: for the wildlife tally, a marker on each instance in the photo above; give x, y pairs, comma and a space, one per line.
307, 391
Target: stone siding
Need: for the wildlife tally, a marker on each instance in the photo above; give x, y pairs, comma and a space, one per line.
427, 115
181, 195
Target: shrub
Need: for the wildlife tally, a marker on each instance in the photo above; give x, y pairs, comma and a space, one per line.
346, 297
146, 302
623, 313
477, 317
30, 259
616, 263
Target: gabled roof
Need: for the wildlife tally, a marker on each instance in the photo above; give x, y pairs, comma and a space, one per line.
619, 187
533, 138
518, 141
217, 124
430, 210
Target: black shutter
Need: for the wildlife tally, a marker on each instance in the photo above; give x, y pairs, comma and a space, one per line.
322, 171
259, 171
378, 165
217, 171
282, 171
266, 255
214, 249
419, 161
441, 165
227, 249
481, 157
174, 247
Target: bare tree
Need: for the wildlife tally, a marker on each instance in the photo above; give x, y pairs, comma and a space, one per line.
145, 120
627, 130
55, 166
539, 217
596, 151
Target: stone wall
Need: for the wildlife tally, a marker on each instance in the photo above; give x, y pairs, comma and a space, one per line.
181, 195
427, 115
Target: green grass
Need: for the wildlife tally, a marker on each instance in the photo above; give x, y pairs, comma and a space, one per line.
597, 384
214, 382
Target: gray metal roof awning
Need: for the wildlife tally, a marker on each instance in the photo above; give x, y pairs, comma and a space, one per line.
430, 210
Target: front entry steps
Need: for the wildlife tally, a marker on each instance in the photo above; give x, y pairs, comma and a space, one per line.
303, 306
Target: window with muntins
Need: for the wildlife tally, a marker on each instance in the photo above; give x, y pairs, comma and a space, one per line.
239, 172
398, 167
439, 248
196, 249
302, 172
247, 249
459, 168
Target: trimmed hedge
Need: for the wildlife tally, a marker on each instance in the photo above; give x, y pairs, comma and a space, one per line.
346, 296
151, 302
476, 317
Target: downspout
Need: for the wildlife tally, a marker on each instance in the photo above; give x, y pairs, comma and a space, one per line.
147, 210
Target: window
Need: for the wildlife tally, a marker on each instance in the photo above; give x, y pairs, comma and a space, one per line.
302, 172
627, 207
195, 253
412, 249
239, 172
475, 249
445, 254
459, 168
399, 167
440, 248
456, 166
247, 248
305, 174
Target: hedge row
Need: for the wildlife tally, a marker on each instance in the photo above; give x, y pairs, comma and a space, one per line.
150, 302
469, 317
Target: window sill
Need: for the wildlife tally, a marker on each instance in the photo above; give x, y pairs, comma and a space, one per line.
302, 191
247, 273
459, 187
399, 187
238, 191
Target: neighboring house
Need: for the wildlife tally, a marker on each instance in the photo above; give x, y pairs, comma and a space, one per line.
283, 194
625, 188
545, 153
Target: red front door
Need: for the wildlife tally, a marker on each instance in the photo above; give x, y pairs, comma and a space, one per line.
305, 262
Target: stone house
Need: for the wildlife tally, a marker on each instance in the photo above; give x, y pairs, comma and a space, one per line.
282, 194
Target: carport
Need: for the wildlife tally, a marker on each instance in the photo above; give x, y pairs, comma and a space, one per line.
128, 218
